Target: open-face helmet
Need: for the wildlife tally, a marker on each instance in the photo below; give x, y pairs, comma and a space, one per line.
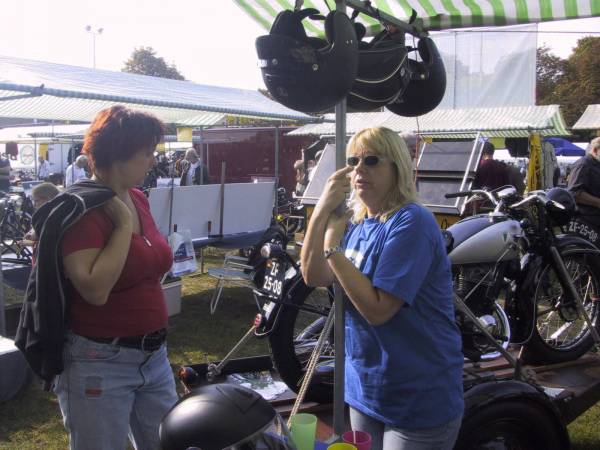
304, 73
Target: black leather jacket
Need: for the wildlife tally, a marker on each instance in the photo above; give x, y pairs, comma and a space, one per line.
43, 322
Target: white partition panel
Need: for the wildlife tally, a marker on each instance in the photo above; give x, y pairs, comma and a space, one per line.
322, 171
247, 207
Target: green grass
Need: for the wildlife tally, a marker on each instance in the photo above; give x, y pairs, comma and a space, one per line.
32, 420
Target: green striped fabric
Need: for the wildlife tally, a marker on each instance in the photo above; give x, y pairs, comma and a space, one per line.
438, 14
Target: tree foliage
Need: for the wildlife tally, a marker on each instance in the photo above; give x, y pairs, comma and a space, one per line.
144, 61
573, 83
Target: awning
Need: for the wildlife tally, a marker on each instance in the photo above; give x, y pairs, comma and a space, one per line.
438, 15
590, 119
43, 90
517, 121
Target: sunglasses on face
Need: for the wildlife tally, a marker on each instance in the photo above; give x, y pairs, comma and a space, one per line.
369, 161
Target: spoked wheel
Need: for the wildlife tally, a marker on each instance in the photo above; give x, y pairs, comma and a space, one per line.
295, 336
561, 333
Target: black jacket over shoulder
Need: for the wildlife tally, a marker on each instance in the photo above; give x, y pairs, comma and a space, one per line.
43, 322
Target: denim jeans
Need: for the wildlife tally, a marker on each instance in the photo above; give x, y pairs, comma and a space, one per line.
385, 437
108, 393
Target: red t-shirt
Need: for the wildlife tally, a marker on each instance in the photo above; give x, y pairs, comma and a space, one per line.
136, 304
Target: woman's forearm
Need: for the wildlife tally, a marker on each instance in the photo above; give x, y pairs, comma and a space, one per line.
315, 270
376, 306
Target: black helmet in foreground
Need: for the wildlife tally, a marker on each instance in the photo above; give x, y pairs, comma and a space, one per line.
563, 208
223, 416
308, 74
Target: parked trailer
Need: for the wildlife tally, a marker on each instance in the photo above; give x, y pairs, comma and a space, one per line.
500, 411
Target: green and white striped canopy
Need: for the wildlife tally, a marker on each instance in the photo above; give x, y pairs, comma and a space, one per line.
438, 14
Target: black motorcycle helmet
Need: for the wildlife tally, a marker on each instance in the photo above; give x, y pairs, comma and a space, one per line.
561, 215
427, 85
382, 72
223, 416
308, 74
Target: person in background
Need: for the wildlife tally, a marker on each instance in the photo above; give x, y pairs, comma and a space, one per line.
194, 172
491, 174
584, 183
4, 174
515, 178
43, 168
40, 195
117, 381
76, 171
404, 361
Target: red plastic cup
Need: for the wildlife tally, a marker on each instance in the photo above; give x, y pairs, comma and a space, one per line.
360, 439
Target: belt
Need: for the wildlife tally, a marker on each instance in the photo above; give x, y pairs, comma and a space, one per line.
148, 342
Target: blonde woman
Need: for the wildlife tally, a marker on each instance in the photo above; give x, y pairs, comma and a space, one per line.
403, 349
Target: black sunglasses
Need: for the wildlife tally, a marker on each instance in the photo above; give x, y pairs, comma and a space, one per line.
369, 161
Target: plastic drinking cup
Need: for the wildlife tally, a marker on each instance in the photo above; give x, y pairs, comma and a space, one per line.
341, 446
360, 439
303, 430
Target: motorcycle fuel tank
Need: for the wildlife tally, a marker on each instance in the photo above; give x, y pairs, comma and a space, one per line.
488, 244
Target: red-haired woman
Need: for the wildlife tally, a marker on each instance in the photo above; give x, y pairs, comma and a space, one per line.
116, 380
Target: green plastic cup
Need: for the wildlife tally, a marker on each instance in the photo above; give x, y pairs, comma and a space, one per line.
303, 430
341, 446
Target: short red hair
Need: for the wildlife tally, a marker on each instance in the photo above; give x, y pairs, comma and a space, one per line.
117, 133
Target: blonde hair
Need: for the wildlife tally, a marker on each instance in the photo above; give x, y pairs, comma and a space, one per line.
384, 142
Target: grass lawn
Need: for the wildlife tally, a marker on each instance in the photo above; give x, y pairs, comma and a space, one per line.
33, 421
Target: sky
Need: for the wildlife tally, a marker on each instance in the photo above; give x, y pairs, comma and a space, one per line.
210, 41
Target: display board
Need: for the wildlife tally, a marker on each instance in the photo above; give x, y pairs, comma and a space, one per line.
322, 171
444, 167
248, 207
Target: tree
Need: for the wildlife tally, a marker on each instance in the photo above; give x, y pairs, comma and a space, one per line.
144, 61
581, 84
573, 83
549, 72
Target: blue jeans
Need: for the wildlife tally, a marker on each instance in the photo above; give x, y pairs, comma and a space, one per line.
108, 393
386, 437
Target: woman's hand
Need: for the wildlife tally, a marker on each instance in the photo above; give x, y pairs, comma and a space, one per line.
118, 213
336, 189
336, 226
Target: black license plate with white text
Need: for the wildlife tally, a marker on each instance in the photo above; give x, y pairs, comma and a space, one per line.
274, 277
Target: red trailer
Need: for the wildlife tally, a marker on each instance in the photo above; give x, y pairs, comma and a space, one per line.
249, 153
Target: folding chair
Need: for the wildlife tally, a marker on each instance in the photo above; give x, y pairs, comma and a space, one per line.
236, 271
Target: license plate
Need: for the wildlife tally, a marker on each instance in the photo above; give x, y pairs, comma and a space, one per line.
274, 277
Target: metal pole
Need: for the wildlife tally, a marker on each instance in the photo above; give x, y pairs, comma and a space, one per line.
2, 316
221, 212
339, 376
276, 157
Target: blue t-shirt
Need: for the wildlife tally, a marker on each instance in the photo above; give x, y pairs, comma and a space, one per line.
408, 371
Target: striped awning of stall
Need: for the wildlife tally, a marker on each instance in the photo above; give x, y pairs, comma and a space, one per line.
589, 120
438, 14
518, 121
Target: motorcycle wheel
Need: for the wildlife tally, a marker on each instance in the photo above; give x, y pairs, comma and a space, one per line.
560, 333
294, 338
509, 424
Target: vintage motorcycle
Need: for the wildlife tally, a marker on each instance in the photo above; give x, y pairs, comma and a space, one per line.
516, 280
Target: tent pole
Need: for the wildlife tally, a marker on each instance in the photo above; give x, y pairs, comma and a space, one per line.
339, 338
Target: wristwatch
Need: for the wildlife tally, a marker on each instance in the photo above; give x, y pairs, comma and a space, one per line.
330, 251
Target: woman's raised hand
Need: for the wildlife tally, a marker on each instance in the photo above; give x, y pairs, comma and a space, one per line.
336, 189
118, 212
